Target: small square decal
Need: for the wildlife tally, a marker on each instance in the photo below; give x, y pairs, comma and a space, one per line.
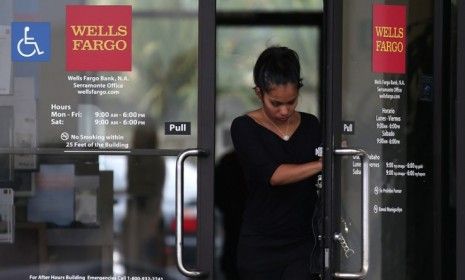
30, 41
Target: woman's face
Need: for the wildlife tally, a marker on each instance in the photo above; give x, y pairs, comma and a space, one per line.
280, 101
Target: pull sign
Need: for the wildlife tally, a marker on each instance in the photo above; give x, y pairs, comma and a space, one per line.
177, 128
348, 127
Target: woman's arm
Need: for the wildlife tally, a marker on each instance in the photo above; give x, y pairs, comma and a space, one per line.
291, 173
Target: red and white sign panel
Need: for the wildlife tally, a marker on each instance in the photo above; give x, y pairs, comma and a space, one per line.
389, 38
98, 38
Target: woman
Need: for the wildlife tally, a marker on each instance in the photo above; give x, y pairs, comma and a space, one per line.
276, 146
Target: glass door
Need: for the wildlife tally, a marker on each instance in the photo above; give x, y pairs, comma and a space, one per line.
107, 139
383, 145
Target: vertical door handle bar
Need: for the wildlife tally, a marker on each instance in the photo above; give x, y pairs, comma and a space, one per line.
365, 216
180, 210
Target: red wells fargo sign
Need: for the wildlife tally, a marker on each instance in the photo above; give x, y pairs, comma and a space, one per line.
98, 38
389, 38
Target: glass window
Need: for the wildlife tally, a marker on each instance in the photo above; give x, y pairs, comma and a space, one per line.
161, 86
87, 213
270, 5
154, 5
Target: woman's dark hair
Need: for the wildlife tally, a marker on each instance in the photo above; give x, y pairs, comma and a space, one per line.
277, 66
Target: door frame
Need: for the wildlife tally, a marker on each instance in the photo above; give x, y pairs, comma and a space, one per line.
333, 126
459, 142
206, 132
332, 115
206, 135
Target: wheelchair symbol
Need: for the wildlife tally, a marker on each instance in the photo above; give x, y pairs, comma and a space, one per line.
28, 41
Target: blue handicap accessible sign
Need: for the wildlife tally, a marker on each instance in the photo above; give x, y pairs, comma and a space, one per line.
30, 41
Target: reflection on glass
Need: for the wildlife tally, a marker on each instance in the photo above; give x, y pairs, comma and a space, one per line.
99, 109
89, 214
392, 113
6, 126
150, 5
142, 226
266, 5
98, 224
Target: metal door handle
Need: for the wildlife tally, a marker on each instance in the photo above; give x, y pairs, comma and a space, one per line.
180, 210
366, 205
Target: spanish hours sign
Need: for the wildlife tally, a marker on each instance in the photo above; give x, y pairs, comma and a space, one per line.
389, 38
98, 38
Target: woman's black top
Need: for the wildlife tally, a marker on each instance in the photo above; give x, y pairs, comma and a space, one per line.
277, 221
